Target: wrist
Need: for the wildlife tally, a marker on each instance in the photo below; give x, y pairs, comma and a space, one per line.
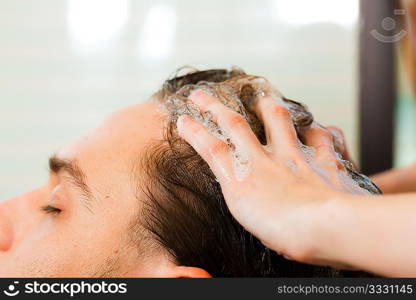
330, 225
310, 233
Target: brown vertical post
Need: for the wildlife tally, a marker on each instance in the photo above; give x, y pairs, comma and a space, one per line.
377, 85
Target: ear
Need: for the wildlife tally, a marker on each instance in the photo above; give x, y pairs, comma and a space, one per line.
188, 272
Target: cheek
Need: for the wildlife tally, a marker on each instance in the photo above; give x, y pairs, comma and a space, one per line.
74, 245
51, 249
40, 253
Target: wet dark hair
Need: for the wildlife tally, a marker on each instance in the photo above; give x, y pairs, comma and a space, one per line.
184, 210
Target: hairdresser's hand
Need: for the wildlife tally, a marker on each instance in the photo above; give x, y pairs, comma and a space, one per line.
274, 191
340, 144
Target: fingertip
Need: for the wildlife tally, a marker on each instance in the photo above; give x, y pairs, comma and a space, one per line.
195, 94
264, 102
212, 149
260, 105
315, 134
334, 128
336, 132
201, 98
267, 104
278, 123
181, 123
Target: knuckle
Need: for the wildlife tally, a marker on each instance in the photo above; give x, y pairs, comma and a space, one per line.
322, 138
199, 94
194, 129
321, 133
217, 147
210, 102
326, 153
281, 111
323, 147
235, 120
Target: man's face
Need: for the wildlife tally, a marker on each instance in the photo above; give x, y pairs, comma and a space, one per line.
79, 222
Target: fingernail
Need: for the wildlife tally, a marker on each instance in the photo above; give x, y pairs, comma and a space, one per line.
196, 94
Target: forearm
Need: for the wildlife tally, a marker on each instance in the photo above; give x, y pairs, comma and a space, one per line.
400, 180
371, 233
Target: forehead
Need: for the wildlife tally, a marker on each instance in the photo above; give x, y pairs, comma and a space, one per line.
106, 154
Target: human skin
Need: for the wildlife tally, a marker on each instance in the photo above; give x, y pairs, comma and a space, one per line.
89, 237
399, 180
290, 206
394, 181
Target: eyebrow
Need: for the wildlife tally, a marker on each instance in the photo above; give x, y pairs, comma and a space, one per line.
77, 176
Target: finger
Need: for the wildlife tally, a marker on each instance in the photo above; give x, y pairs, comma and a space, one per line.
338, 139
322, 141
213, 150
278, 124
340, 144
232, 123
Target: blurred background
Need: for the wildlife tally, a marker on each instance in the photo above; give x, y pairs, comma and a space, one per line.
66, 64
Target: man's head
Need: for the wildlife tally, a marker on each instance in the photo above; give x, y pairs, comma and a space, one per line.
81, 222
133, 199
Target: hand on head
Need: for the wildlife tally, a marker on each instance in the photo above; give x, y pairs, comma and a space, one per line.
276, 194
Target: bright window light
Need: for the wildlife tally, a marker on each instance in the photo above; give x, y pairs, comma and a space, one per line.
304, 12
156, 40
93, 22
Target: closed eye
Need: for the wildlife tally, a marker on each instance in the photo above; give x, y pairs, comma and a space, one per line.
49, 209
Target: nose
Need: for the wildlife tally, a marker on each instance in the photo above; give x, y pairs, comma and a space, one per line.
6, 226
18, 217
